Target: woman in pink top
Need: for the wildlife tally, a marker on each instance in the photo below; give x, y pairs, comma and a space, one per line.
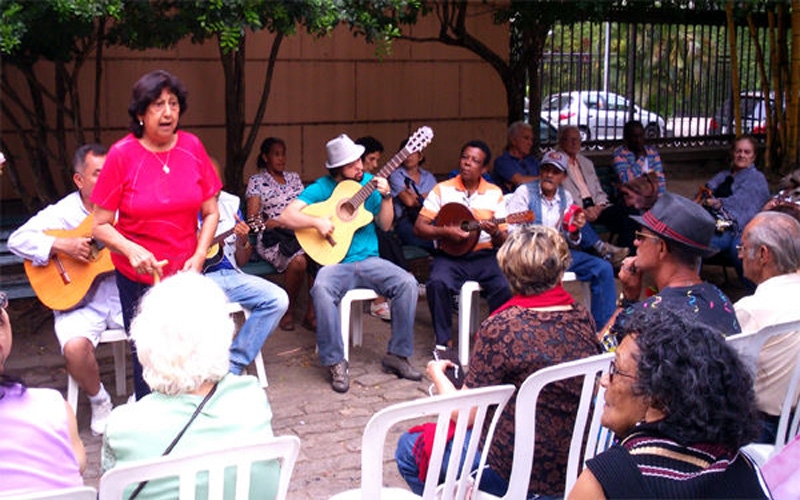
40, 448
156, 180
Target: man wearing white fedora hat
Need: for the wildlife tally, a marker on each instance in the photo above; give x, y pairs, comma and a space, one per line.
360, 268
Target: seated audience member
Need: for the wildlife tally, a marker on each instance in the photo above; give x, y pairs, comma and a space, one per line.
736, 196
78, 329
584, 186
389, 245
787, 199
674, 236
410, 185
770, 253
361, 267
516, 165
682, 403
634, 159
550, 203
539, 327
183, 335
268, 193
40, 447
266, 301
448, 272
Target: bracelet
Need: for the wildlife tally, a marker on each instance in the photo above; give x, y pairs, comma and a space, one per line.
624, 303
387, 196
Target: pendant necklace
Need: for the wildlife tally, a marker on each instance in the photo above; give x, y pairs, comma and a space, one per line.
165, 163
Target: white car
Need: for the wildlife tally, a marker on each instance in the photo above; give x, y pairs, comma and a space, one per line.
598, 115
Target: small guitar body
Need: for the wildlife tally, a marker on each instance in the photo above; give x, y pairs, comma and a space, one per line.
346, 220
216, 250
345, 208
64, 281
456, 214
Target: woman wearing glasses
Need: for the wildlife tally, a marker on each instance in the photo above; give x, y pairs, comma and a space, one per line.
682, 404
40, 448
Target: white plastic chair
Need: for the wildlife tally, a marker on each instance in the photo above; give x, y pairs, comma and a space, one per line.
351, 317
214, 461
749, 346
75, 493
586, 429
119, 346
469, 319
258, 361
463, 402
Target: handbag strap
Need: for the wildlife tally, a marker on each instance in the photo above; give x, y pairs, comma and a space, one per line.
179, 435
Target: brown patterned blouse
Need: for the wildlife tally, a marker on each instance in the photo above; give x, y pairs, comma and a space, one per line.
510, 346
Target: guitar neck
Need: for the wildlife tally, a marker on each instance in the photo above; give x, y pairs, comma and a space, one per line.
367, 189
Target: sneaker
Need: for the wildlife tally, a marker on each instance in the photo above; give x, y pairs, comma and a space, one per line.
100, 413
381, 311
392, 363
340, 376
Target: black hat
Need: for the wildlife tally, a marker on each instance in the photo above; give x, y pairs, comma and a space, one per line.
681, 220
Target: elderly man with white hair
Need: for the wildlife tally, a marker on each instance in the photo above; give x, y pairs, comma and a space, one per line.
183, 335
770, 253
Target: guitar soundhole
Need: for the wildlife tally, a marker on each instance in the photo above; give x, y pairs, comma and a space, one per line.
346, 210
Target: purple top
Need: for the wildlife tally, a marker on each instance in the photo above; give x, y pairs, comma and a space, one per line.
36, 448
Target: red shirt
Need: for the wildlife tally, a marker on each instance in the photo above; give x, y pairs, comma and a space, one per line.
157, 197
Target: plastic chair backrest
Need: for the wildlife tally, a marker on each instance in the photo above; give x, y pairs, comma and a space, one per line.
75, 493
596, 437
186, 467
749, 346
463, 402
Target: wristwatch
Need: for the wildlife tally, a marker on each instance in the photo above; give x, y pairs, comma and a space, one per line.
387, 196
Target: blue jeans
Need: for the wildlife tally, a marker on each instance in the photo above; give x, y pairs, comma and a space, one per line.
491, 481
130, 292
600, 276
588, 237
267, 303
375, 273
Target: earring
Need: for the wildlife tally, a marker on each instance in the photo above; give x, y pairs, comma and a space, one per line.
141, 123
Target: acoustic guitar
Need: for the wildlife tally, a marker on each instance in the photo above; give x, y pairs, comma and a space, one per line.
345, 209
456, 214
216, 248
65, 281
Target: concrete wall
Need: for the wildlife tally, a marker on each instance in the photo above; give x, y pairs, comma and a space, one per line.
321, 88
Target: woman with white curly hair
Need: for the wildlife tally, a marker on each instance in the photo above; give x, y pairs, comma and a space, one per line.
183, 335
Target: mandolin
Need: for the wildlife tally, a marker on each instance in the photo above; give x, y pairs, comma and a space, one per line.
345, 209
456, 214
64, 281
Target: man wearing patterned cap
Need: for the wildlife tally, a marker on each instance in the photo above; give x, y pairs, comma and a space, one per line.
674, 236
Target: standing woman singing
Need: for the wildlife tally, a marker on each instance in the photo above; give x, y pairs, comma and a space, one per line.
156, 180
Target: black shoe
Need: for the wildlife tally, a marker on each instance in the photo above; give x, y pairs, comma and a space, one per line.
340, 376
400, 366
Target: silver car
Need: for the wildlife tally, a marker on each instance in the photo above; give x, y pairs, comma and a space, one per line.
598, 115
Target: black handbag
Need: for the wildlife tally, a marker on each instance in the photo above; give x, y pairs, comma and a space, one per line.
284, 238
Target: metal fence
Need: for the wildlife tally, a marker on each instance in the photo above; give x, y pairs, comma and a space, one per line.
674, 78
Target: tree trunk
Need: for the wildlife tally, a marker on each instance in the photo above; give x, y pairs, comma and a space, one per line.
737, 112
791, 159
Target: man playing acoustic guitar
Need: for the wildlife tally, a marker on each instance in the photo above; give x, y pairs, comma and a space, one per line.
360, 268
476, 260
79, 328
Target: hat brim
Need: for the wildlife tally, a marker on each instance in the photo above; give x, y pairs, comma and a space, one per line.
703, 251
355, 155
553, 164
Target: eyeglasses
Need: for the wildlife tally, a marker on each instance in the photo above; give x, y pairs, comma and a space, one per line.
642, 236
3, 300
739, 248
612, 371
